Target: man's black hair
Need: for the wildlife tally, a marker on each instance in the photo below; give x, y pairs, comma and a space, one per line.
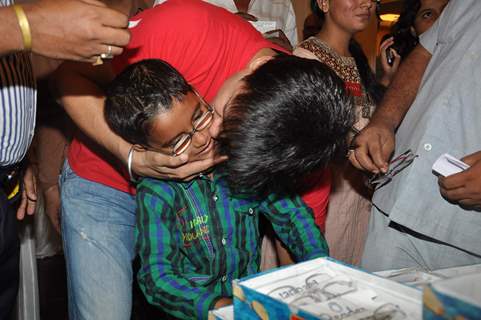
291, 118
139, 93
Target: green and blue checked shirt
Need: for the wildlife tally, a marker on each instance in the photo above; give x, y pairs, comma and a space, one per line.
195, 238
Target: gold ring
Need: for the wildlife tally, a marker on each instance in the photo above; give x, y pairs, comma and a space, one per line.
98, 62
107, 55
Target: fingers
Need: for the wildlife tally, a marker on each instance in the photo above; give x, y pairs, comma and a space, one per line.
397, 60
386, 44
454, 181
463, 197
113, 50
352, 158
95, 3
113, 18
363, 160
55, 220
22, 207
472, 158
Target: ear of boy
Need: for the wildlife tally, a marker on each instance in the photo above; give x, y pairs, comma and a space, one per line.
256, 63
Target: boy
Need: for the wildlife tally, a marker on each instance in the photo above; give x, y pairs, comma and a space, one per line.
194, 237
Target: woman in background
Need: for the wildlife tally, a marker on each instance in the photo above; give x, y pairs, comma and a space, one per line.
416, 17
349, 203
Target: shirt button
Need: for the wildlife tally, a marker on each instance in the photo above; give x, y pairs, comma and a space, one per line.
224, 279
251, 211
428, 146
223, 241
215, 197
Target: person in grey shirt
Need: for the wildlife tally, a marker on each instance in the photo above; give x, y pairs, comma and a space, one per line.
432, 107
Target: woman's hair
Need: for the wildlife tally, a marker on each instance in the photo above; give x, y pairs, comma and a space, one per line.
139, 93
408, 15
404, 38
374, 89
290, 118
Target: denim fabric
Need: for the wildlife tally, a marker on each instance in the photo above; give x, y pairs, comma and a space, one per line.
98, 225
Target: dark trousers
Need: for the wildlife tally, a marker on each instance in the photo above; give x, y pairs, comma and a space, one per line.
9, 257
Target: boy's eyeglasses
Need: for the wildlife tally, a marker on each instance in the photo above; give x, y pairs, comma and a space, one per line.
395, 166
201, 123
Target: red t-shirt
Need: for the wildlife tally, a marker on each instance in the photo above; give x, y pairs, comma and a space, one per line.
205, 43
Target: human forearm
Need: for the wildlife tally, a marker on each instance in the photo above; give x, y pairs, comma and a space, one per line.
294, 224
67, 29
374, 145
10, 35
83, 100
403, 89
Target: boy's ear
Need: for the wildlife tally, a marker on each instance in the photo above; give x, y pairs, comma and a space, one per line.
256, 63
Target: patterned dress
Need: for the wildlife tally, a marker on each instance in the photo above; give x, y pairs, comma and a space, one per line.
349, 202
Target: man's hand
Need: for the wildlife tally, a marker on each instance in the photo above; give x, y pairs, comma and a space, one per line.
464, 188
28, 202
52, 206
158, 165
76, 29
372, 147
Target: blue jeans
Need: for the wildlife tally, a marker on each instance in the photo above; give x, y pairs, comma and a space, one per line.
98, 225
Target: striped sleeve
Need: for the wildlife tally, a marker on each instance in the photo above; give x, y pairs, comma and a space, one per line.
294, 224
18, 107
161, 276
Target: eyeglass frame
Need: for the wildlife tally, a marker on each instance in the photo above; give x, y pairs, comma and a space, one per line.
210, 111
396, 165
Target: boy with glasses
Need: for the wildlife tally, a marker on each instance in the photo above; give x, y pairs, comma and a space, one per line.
194, 237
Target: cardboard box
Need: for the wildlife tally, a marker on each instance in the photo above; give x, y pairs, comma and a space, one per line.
323, 289
419, 278
454, 298
224, 313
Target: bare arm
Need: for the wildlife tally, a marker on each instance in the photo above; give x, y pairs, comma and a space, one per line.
83, 100
67, 29
375, 143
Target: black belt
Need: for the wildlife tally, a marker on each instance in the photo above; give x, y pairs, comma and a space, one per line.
10, 181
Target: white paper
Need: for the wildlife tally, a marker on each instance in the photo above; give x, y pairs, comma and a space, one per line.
447, 165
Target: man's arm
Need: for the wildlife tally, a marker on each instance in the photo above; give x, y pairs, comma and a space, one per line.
161, 277
68, 29
375, 143
293, 223
79, 89
464, 188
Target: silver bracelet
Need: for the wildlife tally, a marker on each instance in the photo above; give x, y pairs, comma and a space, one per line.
130, 157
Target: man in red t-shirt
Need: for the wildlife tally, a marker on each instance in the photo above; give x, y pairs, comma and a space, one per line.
206, 44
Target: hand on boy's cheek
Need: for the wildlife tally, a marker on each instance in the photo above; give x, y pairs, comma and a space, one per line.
161, 166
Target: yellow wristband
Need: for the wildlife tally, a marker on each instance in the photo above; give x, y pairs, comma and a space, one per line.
24, 26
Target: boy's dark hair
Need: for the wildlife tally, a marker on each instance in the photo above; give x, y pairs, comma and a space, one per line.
139, 93
290, 119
